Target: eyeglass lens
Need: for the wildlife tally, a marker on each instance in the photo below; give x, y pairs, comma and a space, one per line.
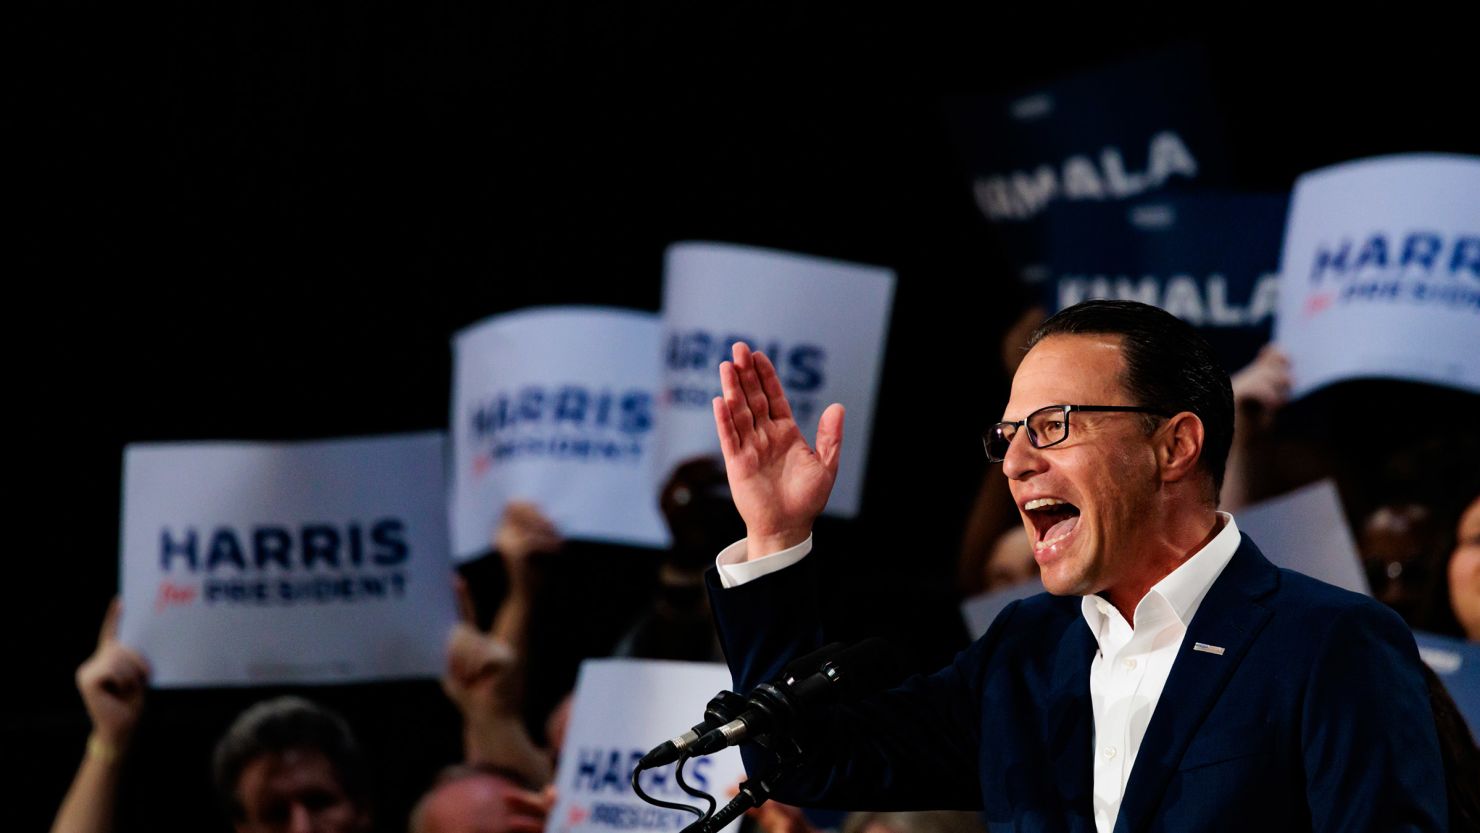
1046, 426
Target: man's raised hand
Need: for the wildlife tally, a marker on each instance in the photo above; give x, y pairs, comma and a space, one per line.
779, 483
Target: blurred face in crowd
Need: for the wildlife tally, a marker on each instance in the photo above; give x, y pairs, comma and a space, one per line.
1085, 501
481, 803
296, 791
1464, 572
1398, 546
1011, 561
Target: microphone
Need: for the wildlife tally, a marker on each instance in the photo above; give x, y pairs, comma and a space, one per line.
868, 666
725, 706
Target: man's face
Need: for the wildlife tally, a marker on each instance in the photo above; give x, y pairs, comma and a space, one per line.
296, 791
1083, 502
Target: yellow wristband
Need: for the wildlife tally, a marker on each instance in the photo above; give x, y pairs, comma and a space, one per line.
101, 749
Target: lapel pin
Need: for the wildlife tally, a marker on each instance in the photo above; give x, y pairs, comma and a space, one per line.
1208, 649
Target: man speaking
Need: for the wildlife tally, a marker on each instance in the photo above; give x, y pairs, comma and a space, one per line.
1174, 680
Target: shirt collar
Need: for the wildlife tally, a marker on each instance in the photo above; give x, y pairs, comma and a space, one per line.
1184, 588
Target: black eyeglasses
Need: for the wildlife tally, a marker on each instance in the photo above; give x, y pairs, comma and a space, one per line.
1046, 426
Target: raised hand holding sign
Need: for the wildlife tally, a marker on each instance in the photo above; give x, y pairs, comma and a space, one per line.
779, 483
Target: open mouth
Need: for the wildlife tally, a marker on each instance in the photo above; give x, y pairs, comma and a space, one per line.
1053, 520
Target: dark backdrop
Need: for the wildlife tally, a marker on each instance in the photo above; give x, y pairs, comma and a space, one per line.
258, 220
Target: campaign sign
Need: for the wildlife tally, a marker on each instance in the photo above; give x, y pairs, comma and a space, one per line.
267, 563
1380, 274
822, 322
1211, 259
556, 406
1306, 531
1457, 664
622, 709
1119, 132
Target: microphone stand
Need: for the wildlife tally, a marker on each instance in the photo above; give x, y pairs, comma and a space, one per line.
753, 791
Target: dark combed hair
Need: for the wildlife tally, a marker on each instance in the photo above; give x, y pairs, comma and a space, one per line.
279, 725
1168, 366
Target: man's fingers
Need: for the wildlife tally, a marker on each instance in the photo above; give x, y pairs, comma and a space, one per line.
724, 426
750, 383
741, 418
830, 437
771, 384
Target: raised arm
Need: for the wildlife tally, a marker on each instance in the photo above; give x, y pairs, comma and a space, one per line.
112, 683
780, 484
1259, 391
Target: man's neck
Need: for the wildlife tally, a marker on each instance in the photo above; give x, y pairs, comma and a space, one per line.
1166, 551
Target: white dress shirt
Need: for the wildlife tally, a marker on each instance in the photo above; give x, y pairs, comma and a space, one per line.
1129, 670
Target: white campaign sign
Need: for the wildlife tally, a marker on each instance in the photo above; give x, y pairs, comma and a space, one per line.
556, 406
1380, 275
622, 709
266, 563
1306, 531
823, 323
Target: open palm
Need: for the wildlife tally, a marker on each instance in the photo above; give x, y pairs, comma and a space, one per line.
779, 483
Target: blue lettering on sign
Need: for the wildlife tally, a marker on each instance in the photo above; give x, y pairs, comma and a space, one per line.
1419, 252
800, 366
636, 817
569, 406
315, 589
603, 770
313, 546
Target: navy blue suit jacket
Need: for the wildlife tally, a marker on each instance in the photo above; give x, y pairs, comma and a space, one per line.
1315, 717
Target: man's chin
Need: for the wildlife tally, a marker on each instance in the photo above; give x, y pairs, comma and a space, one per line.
1062, 582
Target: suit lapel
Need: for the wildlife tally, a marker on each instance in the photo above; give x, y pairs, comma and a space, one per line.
1071, 721
1229, 617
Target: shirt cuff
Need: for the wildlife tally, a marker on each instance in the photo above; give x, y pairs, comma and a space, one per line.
734, 570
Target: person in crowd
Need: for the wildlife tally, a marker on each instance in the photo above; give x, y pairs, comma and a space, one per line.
468, 798
1163, 695
1010, 562
284, 765
112, 683
776, 817
701, 517
1464, 572
1401, 547
1461, 756
288, 764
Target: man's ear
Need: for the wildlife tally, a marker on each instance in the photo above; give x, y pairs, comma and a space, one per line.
1179, 446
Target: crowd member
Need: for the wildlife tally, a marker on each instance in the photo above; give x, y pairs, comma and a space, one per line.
701, 517
1464, 573
112, 682
468, 798
1163, 695
288, 764
1010, 562
1401, 550
776, 817
285, 764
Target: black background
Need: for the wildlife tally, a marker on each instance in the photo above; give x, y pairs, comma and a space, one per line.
264, 221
